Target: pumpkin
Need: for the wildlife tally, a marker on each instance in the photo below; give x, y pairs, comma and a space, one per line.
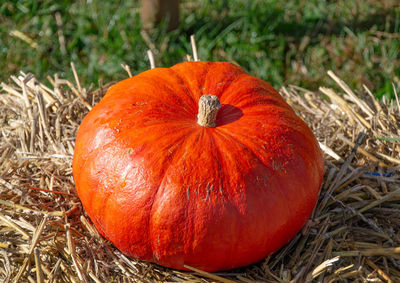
198, 164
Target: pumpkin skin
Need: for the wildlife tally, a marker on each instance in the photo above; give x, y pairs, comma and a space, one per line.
164, 189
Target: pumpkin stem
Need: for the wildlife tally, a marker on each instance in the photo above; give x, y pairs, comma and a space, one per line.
208, 109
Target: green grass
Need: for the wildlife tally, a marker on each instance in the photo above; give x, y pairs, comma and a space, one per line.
283, 42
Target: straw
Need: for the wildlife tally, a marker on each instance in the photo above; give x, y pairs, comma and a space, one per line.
46, 235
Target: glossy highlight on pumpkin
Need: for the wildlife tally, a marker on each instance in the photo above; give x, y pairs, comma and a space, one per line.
164, 189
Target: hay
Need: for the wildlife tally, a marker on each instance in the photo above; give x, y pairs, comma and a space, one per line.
45, 236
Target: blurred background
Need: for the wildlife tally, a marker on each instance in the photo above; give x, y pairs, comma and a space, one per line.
282, 42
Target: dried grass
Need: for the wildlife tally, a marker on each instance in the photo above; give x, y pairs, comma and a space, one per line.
45, 236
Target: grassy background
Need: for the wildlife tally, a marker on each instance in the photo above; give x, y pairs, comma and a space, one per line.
283, 42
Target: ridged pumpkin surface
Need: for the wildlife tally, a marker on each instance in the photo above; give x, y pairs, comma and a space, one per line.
164, 189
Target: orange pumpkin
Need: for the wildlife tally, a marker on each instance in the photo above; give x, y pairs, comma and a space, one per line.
215, 186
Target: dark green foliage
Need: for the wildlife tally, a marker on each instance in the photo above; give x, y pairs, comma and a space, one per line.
283, 42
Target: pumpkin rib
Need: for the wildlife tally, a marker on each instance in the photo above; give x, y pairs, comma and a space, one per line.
87, 135
291, 125
159, 80
167, 167
306, 153
232, 88
83, 163
220, 160
92, 155
193, 78
217, 86
92, 211
257, 93
184, 85
147, 87
254, 154
250, 145
153, 198
236, 140
259, 102
205, 134
161, 190
282, 193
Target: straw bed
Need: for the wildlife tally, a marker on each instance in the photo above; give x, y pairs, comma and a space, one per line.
45, 236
